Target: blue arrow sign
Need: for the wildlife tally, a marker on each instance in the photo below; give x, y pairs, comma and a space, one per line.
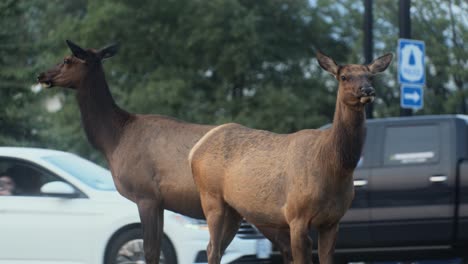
411, 62
411, 96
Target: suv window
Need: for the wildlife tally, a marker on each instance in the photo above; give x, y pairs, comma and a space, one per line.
411, 144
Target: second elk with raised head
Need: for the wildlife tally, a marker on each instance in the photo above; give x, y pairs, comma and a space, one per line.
287, 181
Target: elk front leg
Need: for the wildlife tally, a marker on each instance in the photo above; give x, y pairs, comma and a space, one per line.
326, 243
281, 239
301, 244
152, 221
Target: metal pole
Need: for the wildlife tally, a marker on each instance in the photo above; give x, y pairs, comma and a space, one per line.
405, 32
368, 45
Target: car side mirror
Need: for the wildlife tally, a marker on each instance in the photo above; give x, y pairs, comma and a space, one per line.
59, 189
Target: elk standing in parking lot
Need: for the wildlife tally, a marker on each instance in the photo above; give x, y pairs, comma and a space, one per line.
287, 181
147, 154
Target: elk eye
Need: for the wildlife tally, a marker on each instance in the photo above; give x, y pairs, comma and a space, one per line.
66, 61
343, 78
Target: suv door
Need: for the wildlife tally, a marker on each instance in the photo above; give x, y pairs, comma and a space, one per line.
412, 190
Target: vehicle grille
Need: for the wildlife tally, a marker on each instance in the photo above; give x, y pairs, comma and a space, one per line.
248, 231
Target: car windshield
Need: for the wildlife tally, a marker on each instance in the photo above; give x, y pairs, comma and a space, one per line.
89, 173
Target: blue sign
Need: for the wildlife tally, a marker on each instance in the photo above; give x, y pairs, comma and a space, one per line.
411, 96
411, 62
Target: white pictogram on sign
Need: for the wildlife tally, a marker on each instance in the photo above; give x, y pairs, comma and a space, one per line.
412, 68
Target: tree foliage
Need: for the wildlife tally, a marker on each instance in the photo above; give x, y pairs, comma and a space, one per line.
443, 26
213, 62
18, 123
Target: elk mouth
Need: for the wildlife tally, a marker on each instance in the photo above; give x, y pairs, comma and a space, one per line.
44, 81
367, 95
367, 99
46, 84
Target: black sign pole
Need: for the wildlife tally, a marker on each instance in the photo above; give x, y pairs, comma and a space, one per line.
368, 45
405, 32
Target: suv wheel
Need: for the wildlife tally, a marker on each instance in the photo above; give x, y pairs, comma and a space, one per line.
127, 248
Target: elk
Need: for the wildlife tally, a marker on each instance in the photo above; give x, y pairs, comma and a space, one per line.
287, 181
147, 154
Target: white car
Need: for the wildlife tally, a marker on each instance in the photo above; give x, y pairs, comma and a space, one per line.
65, 209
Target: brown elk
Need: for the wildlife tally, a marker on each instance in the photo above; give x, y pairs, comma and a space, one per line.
147, 154
287, 181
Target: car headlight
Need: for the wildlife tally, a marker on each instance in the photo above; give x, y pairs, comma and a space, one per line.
190, 222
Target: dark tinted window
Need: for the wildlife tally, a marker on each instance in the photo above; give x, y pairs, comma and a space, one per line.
26, 178
411, 145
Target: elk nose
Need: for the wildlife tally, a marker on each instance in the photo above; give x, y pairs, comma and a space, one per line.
368, 91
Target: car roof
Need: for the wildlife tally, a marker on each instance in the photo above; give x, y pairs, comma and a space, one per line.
29, 153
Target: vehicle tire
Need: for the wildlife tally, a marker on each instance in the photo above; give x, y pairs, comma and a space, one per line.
127, 248
168, 255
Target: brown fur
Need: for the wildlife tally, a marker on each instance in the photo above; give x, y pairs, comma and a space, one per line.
147, 154
286, 181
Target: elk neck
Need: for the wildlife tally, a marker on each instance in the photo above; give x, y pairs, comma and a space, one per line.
102, 119
344, 141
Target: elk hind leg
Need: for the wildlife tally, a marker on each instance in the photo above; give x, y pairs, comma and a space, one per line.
214, 209
231, 223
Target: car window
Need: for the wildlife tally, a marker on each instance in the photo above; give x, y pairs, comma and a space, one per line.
24, 179
89, 173
411, 145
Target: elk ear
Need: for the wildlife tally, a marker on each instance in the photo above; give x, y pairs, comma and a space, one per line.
381, 63
327, 63
108, 51
77, 51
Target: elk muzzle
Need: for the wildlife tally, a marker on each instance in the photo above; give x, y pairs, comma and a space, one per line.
44, 81
367, 94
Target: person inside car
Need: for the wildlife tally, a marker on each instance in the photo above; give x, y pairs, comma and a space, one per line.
7, 185
26, 179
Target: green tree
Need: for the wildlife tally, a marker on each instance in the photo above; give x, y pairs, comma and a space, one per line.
442, 25
216, 61
19, 122
212, 62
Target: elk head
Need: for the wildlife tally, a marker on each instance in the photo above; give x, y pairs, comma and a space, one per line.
74, 68
355, 81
